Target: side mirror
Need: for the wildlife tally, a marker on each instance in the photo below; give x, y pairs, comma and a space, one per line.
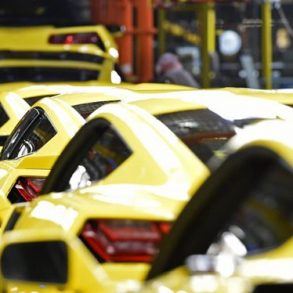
43, 261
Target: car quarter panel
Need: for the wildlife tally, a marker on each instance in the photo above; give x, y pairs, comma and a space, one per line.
156, 151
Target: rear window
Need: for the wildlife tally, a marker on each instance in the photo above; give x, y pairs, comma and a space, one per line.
41, 12
38, 74
106, 154
265, 220
86, 109
203, 131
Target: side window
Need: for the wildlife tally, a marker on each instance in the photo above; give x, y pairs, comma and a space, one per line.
37, 136
102, 157
30, 137
265, 219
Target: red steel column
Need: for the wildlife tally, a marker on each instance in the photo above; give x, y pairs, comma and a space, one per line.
144, 40
118, 12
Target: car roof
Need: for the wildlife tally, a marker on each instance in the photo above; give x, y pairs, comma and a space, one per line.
272, 133
228, 105
80, 95
156, 87
284, 96
71, 90
72, 94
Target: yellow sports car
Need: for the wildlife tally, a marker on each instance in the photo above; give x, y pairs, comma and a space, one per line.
204, 120
36, 142
93, 238
145, 212
38, 139
15, 97
14, 103
243, 214
87, 240
83, 99
49, 41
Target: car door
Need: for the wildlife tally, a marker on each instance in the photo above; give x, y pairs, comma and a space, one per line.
247, 198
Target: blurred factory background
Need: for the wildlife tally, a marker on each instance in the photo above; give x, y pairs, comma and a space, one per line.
244, 43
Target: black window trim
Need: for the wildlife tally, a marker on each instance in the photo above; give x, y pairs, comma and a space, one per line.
37, 114
25, 123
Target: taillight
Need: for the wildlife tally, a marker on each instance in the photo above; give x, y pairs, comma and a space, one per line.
124, 240
76, 38
29, 188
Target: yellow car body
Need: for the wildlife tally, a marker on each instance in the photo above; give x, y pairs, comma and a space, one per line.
64, 218
145, 136
160, 164
15, 102
213, 117
284, 96
29, 153
12, 109
250, 226
149, 148
84, 100
169, 174
66, 122
47, 53
61, 219
15, 97
4, 87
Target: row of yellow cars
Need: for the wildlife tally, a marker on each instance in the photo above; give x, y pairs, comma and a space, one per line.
144, 188
136, 188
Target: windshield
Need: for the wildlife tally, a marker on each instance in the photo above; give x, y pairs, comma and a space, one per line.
44, 12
